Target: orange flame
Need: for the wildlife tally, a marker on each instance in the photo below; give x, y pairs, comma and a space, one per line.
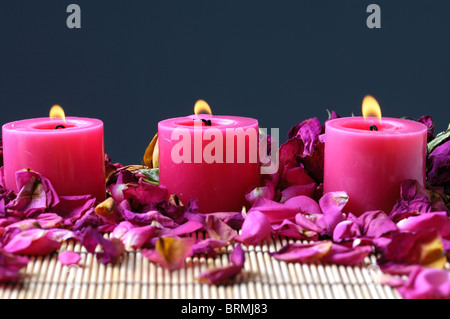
57, 111
202, 107
370, 107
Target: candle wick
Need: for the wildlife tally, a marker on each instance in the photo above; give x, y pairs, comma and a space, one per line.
373, 128
206, 122
59, 126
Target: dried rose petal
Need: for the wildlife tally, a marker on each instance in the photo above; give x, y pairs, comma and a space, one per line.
439, 167
111, 249
426, 283
299, 252
170, 252
255, 229
216, 228
414, 200
304, 204
134, 237
222, 274
293, 230
32, 242
49, 220
438, 221
188, 227
69, 258
297, 190
421, 248
308, 131
208, 246
145, 193
376, 224
344, 255
333, 202
72, 208
346, 229
274, 211
296, 176
10, 264
267, 191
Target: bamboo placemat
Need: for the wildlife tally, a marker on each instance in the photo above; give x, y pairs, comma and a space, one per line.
134, 277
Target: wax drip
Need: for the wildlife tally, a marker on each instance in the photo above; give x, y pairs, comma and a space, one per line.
206, 122
373, 128
59, 126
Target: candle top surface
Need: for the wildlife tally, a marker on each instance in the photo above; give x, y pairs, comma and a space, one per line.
386, 127
218, 121
46, 125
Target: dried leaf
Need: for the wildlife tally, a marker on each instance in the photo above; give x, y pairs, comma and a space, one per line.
151, 156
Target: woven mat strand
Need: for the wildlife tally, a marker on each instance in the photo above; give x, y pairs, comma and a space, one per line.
135, 277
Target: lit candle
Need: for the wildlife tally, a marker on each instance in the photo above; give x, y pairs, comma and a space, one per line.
69, 151
209, 158
369, 157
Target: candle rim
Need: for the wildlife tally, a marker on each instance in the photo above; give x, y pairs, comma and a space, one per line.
396, 127
228, 121
75, 124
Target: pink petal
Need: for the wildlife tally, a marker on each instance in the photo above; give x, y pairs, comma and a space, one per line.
433, 220
137, 237
299, 252
427, 283
333, 202
274, 211
32, 242
267, 191
69, 258
343, 255
255, 229
297, 190
222, 274
293, 230
111, 249
346, 229
304, 204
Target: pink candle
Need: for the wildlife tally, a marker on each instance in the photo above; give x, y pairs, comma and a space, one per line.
208, 158
370, 164
71, 157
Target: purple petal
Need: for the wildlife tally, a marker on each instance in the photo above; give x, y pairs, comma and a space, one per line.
439, 168
308, 131
111, 249
255, 229
376, 224
145, 193
72, 208
222, 274
10, 264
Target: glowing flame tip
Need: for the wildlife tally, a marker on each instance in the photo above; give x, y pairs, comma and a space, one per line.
57, 111
370, 107
202, 107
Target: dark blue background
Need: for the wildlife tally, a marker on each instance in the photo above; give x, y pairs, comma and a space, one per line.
134, 63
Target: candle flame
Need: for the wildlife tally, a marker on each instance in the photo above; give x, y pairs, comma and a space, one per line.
57, 111
202, 107
370, 107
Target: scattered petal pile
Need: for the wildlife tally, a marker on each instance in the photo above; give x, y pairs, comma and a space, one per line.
412, 241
